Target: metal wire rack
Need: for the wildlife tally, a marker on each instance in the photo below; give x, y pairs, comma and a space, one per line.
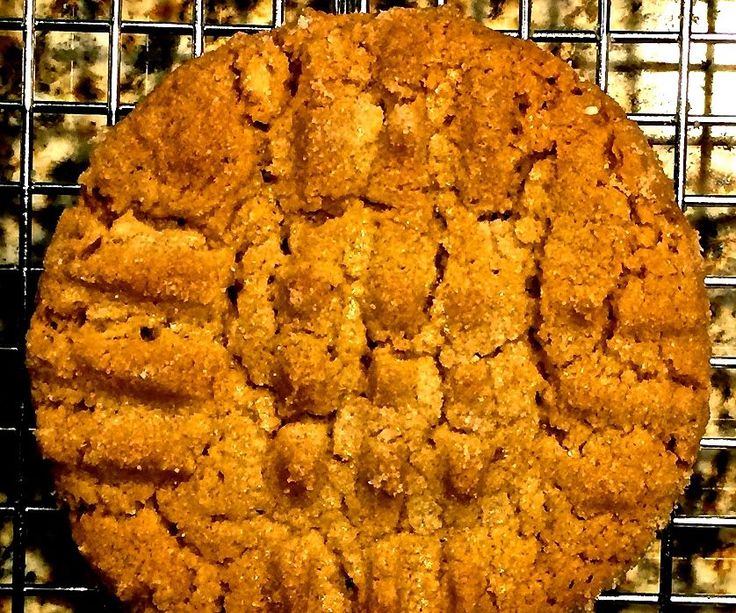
24, 510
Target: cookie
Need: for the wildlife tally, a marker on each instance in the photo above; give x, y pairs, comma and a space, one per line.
385, 313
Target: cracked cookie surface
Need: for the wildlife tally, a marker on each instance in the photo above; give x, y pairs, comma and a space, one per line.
370, 313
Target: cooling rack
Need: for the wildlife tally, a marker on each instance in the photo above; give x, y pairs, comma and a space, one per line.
25, 513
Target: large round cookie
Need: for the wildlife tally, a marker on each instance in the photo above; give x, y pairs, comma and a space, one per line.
370, 313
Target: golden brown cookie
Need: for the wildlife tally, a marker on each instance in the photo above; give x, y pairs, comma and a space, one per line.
370, 313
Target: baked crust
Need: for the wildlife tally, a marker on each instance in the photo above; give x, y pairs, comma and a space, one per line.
370, 313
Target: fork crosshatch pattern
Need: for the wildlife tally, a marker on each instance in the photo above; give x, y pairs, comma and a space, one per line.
69, 68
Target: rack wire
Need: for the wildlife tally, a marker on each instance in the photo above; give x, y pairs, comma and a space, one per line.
88, 595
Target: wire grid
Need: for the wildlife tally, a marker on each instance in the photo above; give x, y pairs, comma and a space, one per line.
23, 510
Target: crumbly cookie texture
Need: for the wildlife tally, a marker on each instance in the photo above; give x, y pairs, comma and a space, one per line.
370, 313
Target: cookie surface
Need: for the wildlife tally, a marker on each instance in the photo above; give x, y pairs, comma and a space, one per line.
370, 313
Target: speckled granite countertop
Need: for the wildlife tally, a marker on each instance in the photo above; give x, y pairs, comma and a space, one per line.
643, 78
